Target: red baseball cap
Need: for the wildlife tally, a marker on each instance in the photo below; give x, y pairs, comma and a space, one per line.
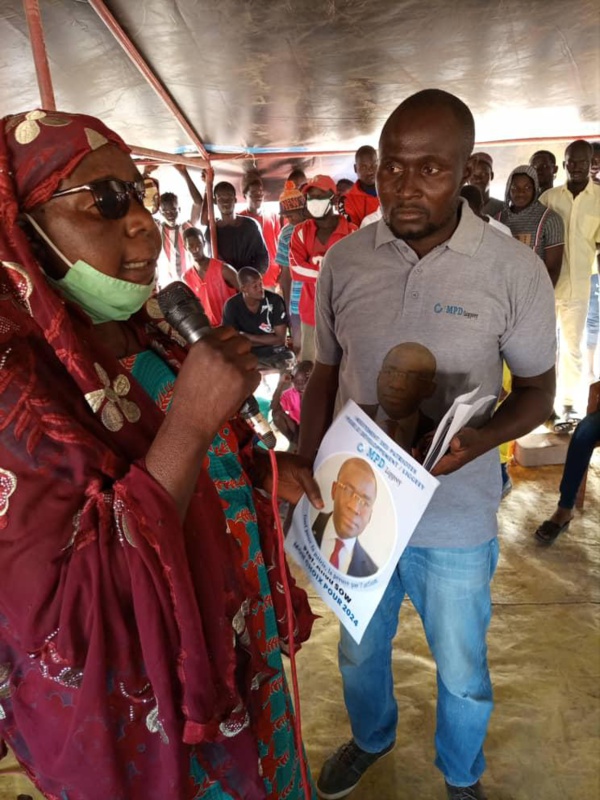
323, 182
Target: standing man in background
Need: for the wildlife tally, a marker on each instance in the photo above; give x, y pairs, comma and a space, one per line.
172, 262
578, 203
400, 280
292, 208
254, 194
362, 199
482, 174
239, 239
544, 163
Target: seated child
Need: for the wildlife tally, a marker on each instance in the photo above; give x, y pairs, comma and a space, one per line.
286, 403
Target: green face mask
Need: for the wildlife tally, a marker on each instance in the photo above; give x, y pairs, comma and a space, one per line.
103, 298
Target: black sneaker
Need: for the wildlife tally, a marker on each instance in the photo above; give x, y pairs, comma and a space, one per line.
343, 770
474, 792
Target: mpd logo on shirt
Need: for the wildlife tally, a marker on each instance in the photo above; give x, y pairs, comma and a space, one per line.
455, 311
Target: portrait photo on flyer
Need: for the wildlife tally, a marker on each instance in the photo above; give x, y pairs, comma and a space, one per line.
375, 494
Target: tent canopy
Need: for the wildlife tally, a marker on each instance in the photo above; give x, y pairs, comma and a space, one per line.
266, 77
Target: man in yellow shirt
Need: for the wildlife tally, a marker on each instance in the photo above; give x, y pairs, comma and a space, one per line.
578, 203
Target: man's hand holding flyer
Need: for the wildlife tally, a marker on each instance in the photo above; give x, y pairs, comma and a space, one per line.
375, 494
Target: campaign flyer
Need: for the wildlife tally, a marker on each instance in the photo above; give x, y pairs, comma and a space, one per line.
375, 494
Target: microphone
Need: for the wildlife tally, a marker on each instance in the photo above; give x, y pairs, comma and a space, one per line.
183, 311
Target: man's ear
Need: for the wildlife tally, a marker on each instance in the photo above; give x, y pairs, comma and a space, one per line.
555, 169
333, 490
491, 176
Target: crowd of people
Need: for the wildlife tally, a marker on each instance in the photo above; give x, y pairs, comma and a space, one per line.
151, 627
559, 223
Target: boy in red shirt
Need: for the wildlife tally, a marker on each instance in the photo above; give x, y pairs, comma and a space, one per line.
270, 224
362, 198
211, 280
310, 241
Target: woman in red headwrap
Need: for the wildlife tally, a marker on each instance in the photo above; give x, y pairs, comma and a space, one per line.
140, 627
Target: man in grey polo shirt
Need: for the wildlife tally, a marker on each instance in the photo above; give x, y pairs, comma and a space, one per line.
432, 273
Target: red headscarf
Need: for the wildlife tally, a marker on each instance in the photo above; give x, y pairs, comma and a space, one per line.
115, 620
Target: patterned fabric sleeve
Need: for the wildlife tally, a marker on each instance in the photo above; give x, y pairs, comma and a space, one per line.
303, 616
100, 581
554, 230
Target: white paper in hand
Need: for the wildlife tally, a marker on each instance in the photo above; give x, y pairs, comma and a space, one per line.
463, 409
374, 494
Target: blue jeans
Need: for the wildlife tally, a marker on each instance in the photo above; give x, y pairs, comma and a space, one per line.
579, 455
592, 323
450, 589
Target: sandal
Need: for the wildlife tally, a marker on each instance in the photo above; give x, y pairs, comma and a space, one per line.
549, 531
566, 427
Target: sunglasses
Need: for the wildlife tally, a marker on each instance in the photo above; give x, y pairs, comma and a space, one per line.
112, 197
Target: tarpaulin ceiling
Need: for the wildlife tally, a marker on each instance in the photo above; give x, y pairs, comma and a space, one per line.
251, 75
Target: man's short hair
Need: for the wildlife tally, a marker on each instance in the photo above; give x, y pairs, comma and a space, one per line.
193, 232
428, 98
247, 274
250, 181
224, 186
296, 174
580, 143
595, 147
344, 183
168, 197
365, 150
550, 155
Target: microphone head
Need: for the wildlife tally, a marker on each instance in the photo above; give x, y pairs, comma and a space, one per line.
269, 440
183, 311
250, 411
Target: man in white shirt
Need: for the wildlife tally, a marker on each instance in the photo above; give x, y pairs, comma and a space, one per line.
353, 493
578, 203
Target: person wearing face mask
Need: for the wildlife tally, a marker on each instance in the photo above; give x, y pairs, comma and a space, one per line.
140, 653
309, 243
